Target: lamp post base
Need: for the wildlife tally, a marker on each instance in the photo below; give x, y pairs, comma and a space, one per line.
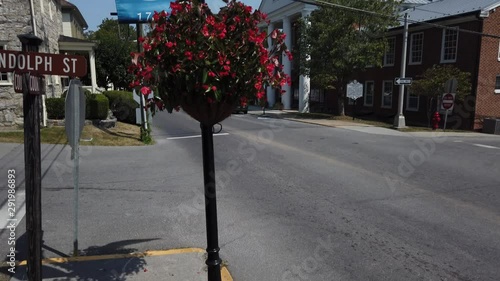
399, 122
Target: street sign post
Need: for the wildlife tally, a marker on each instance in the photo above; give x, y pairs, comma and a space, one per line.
42, 63
140, 99
403, 81
74, 122
139, 11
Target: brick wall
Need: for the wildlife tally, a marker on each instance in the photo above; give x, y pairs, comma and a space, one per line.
487, 102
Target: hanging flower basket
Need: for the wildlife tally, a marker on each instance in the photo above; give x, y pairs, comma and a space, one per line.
207, 63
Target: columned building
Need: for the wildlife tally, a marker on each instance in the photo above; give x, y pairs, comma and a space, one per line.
283, 15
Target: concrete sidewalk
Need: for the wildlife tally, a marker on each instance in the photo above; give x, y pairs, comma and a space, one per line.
173, 265
361, 127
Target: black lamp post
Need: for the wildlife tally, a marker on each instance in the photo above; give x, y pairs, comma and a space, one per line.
213, 261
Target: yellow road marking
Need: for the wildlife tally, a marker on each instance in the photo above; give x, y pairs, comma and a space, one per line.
226, 276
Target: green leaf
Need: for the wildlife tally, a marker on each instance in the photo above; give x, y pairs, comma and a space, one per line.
205, 75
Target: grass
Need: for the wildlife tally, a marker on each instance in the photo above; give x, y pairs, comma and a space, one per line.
122, 135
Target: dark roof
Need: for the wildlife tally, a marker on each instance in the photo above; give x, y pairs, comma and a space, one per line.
449, 8
67, 6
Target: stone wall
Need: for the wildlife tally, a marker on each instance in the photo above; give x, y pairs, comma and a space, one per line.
15, 19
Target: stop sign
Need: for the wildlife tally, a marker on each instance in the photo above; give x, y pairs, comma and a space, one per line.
447, 101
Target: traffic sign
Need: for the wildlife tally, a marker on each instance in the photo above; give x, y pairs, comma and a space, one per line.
403, 81
43, 63
447, 101
36, 83
139, 11
74, 112
354, 90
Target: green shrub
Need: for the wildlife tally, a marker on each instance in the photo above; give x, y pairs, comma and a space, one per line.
97, 107
55, 108
87, 94
122, 105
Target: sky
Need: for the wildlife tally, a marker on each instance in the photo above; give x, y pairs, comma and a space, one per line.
94, 11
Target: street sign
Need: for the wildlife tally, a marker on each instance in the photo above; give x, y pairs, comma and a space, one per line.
43, 63
354, 90
139, 11
74, 112
451, 85
447, 101
36, 83
138, 114
403, 81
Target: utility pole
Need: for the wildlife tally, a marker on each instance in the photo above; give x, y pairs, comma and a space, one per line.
32, 165
399, 120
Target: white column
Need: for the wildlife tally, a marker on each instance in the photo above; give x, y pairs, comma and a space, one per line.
270, 91
287, 64
93, 71
304, 82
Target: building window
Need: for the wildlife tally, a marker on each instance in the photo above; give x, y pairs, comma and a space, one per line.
497, 85
390, 53
449, 46
369, 92
417, 48
387, 94
498, 51
412, 100
5, 77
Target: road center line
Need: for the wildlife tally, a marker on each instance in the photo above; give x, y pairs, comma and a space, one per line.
195, 136
485, 146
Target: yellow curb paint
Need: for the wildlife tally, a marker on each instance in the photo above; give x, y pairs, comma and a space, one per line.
117, 256
226, 276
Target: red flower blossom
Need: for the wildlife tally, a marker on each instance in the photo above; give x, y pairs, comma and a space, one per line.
145, 90
222, 56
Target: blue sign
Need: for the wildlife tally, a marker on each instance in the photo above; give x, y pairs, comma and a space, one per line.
139, 11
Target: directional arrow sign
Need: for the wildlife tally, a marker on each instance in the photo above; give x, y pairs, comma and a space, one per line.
402, 81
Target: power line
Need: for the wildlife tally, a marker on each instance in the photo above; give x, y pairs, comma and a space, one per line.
328, 4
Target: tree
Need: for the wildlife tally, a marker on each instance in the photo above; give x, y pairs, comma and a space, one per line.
337, 42
431, 84
115, 42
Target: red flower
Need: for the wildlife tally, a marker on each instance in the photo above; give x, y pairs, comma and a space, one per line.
145, 90
228, 47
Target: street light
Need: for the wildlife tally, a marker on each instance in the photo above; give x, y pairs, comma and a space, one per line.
399, 120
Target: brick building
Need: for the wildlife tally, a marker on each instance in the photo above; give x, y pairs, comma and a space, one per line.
432, 45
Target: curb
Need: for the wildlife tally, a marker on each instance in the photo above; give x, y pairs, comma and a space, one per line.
226, 276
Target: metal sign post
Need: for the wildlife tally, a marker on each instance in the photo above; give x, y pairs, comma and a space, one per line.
74, 122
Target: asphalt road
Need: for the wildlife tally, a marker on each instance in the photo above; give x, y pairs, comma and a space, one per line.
295, 201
